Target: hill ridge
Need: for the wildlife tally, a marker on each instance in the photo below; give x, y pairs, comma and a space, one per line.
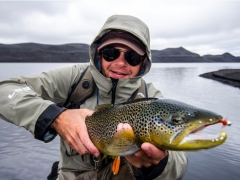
78, 52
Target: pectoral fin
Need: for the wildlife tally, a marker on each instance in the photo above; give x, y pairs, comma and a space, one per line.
124, 143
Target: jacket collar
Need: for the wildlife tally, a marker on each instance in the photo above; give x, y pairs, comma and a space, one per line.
124, 90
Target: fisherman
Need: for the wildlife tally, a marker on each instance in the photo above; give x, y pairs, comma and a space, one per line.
119, 57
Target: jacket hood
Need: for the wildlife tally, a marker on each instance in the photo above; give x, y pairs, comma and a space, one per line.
131, 25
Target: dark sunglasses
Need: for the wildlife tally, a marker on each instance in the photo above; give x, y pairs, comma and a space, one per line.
111, 54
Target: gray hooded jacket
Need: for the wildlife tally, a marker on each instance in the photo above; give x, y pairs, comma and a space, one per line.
37, 100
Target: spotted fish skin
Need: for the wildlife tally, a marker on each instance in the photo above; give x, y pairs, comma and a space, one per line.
163, 122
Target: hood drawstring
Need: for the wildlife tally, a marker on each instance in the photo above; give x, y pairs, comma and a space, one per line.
113, 89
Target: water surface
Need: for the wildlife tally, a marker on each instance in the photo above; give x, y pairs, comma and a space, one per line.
23, 157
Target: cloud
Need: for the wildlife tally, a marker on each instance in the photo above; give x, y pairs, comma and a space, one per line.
203, 27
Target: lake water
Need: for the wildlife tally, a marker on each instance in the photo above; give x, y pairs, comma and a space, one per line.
22, 157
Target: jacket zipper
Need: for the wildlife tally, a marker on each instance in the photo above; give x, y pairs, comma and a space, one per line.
113, 89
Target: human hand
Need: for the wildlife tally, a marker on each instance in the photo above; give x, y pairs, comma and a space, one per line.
70, 126
148, 155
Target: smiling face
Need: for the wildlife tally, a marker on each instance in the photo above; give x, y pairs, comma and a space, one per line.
119, 68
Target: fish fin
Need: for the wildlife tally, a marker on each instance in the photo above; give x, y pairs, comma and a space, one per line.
104, 156
116, 165
124, 143
139, 100
102, 107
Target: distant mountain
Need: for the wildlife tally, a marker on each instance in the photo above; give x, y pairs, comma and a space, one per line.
33, 52
174, 52
226, 57
175, 55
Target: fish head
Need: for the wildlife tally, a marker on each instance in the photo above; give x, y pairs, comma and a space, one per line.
175, 126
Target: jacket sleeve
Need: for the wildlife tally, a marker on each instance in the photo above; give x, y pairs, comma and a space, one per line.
175, 165
33, 102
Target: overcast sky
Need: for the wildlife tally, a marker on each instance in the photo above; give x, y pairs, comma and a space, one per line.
203, 27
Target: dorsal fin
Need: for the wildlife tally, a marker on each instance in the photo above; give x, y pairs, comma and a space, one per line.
103, 107
139, 100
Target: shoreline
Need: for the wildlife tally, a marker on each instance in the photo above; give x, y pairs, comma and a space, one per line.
226, 76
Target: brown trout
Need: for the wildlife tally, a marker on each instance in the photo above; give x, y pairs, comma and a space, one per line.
168, 124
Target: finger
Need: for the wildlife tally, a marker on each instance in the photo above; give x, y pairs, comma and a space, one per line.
87, 112
76, 143
145, 158
79, 147
72, 140
126, 126
140, 153
153, 152
76, 132
86, 141
121, 126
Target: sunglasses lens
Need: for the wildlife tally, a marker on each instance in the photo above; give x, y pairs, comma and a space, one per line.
133, 58
110, 54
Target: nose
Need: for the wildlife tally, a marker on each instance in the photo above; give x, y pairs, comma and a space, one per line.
121, 60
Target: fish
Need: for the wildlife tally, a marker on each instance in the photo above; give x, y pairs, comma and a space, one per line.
168, 124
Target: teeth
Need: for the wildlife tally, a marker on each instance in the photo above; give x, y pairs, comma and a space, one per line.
119, 73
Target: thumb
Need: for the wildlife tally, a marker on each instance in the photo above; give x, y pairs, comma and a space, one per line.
87, 112
152, 150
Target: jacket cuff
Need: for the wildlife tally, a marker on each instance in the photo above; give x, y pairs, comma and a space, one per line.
43, 131
153, 171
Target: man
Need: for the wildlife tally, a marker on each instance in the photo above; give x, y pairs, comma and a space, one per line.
119, 57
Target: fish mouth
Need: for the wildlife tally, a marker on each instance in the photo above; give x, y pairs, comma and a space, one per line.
196, 139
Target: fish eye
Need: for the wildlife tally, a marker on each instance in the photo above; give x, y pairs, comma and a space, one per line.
176, 119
